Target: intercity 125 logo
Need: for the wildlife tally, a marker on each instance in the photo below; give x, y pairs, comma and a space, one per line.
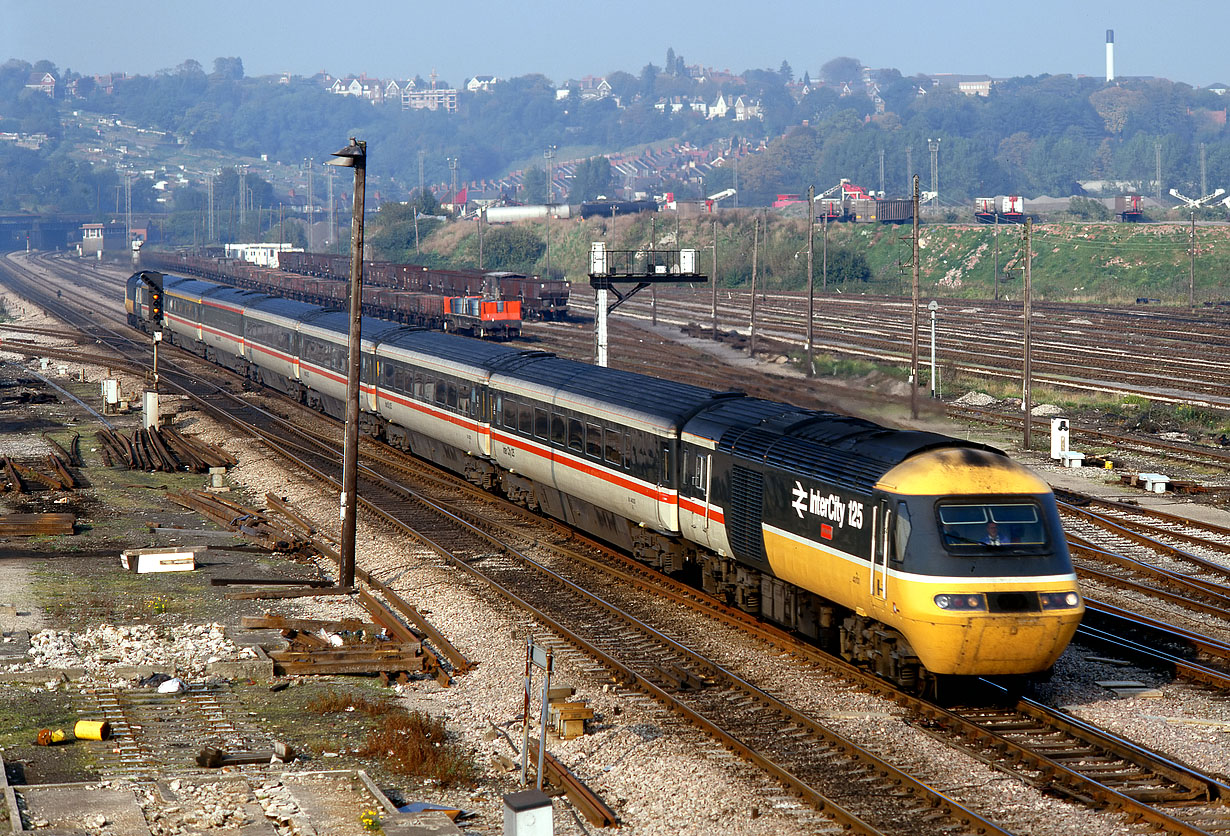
829, 507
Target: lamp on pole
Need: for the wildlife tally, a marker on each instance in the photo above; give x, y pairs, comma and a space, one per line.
353, 156
452, 167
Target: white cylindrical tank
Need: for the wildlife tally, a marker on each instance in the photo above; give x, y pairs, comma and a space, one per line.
511, 214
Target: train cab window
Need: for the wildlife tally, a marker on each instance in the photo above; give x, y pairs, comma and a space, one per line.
542, 423
901, 536
575, 435
986, 528
557, 429
614, 452
525, 421
593, 441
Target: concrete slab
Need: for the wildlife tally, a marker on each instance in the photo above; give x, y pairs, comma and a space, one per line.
83, 808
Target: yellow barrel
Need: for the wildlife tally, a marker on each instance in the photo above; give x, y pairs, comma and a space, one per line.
91, 730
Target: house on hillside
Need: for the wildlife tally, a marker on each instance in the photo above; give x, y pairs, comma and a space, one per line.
970, 85
481, 82
747, 108
719, 108
362, 87
43, 82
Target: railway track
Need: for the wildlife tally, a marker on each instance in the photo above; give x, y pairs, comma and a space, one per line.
984, 339
694, 685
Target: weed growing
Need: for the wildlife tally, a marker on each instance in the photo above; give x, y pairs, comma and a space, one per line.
408, 743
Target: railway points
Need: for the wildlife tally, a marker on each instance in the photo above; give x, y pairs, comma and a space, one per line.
769, 816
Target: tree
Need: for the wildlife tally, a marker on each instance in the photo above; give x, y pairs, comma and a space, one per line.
649, 80
230, 69
591, 179
534, 185
670, 60
841, 69
515, 248
786, 72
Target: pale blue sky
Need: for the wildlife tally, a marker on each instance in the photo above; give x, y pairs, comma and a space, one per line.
1182, 40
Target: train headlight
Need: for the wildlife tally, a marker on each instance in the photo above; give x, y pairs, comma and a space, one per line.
962, 602
1058, 600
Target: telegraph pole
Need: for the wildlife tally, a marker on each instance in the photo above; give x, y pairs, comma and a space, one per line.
713, 282
996, 256
751, 343
824, 258
1157, 151
1191, 263
811, 294
1027, 365
1204, 172
914, 312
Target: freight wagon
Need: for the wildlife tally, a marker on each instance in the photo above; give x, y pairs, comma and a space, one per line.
540, 298
474, 314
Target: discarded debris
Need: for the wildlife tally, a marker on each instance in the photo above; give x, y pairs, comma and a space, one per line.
164, 449
29, 525
162, 559
214, 758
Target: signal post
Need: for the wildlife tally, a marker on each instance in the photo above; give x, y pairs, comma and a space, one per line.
641, 267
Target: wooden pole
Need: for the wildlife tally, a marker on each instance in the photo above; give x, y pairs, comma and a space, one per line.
1027, 370
914, 312
751, 344
811, 294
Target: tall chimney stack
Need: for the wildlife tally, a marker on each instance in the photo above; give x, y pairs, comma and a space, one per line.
1110, 55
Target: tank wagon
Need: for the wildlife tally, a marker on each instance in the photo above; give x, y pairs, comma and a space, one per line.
913, 553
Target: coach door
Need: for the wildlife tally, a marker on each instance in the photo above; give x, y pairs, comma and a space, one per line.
881, 548
699, 476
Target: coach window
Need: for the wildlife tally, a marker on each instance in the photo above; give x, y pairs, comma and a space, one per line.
593, 441
441, 392
614, 446
698, 470
557, 428
428, 390
451, 397
542, 423
510, 414
575, 435
525, 421
499, 411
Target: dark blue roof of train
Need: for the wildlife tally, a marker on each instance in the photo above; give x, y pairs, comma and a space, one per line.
664, 399
837, 449
479, 353
290, 308
185, 284
372, 328
234, 295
